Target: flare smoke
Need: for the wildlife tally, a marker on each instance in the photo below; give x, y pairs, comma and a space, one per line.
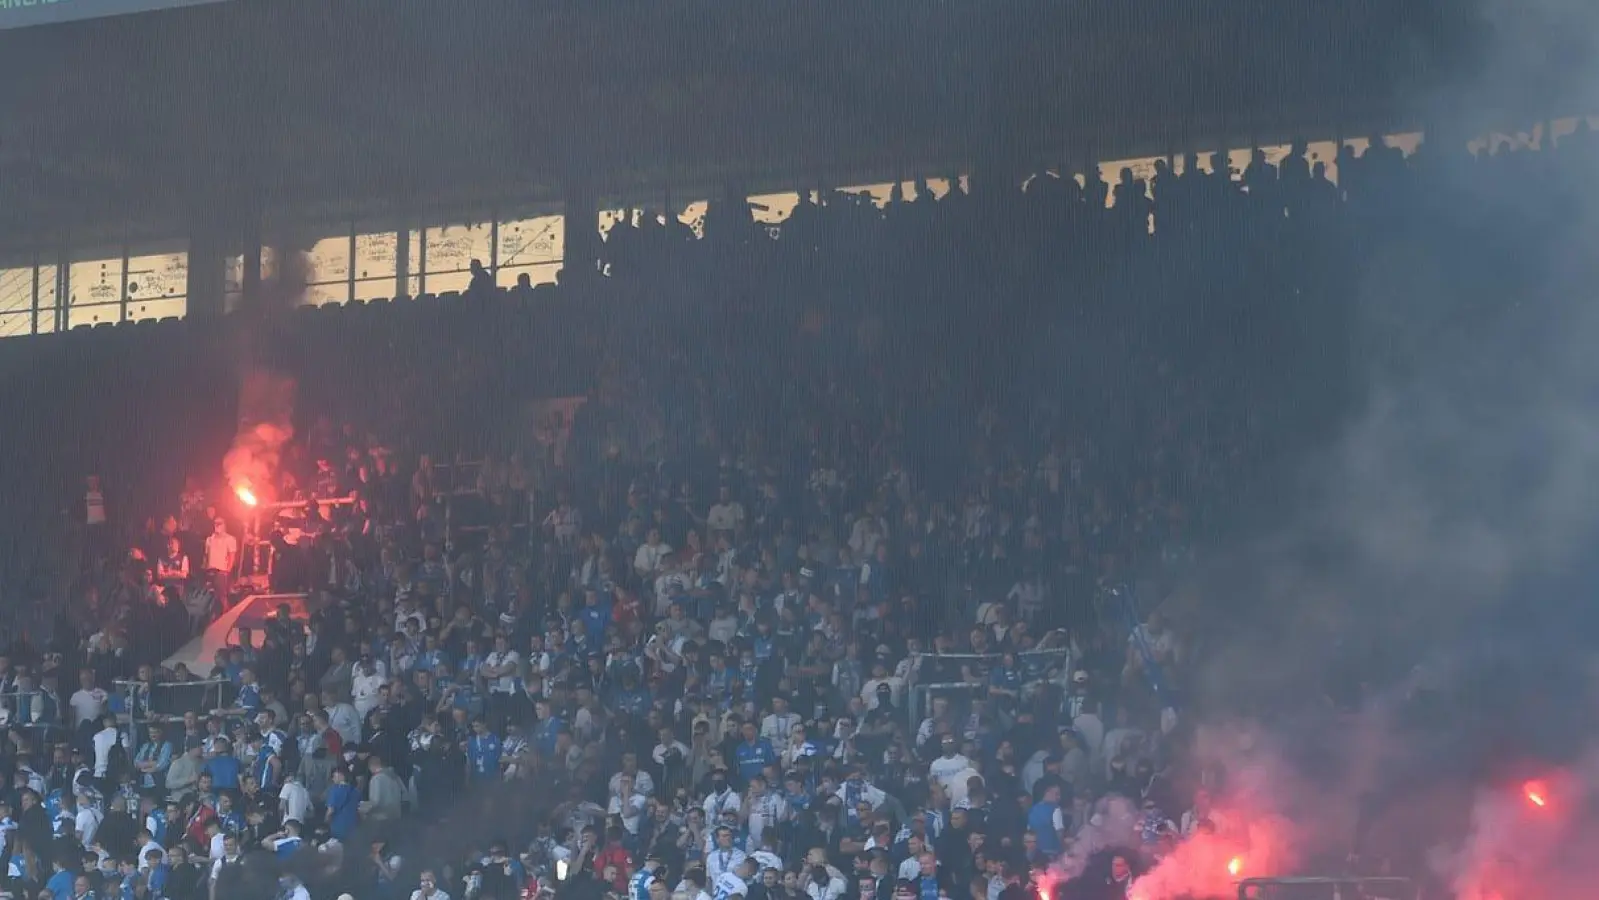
266, 412
266, 394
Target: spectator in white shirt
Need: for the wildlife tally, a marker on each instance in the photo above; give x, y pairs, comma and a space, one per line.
366, 683
88, 701
870, 694
294, 801
628, 804
499, 671
726, 514
779, 726
221, 553
946, 769
647, 559
724, 858
642, 782
87, 822
104, 739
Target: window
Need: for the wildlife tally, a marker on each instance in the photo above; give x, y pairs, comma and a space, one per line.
533, 247
16, 290
415, 259
158, 283
328, 272
49, 298
16, 301
450, 250
94, 287
375, 264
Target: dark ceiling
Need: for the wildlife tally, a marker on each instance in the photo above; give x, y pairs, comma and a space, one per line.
322, 107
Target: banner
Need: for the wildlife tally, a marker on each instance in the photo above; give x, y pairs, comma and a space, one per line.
22, 13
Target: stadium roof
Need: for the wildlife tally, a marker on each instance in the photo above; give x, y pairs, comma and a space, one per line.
307, 108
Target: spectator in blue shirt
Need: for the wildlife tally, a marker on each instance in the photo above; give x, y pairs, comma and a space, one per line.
483, 752
223, 767
754, 754
61, 881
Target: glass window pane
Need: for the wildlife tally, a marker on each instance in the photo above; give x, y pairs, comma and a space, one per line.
16, 324
48, 301
526, 242
413, 279
450, 251
329, 271
16, 290
375, 262
156, 276
94, 285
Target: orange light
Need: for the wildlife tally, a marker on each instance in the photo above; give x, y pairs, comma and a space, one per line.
1536, 795
1043, 894
246, 496
1234, 866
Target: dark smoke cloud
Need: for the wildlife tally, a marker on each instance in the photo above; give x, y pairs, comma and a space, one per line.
1454, 512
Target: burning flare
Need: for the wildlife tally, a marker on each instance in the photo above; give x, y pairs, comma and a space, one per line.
246, 496
1537, 795
1235, 866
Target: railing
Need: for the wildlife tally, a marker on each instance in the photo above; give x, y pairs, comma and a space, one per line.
1055, 661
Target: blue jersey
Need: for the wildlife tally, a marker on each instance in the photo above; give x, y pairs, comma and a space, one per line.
263, 772
639, 887
156, 822
752, 758
250, 699
546, 734
224, 772
483, 752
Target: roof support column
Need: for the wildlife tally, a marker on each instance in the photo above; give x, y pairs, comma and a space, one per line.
581, 234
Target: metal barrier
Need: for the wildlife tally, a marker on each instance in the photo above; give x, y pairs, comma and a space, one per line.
168, 701
1050, 665
25, 716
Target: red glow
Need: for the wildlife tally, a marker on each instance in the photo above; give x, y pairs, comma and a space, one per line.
1235, 865
1537, 795
246, 496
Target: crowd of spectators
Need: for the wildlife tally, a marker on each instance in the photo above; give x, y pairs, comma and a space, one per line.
842, 582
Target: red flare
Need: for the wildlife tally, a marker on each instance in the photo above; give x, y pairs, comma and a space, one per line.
246, 496
1537, 795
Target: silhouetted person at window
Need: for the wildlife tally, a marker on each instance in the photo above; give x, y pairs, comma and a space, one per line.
482, 281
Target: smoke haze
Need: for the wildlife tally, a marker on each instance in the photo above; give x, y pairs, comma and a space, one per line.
1445, 531
266, 391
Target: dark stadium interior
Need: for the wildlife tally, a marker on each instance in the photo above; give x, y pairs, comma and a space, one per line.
925, 451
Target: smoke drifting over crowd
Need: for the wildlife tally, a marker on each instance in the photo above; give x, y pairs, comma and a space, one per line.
266, 394
1446, 531
266, 425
